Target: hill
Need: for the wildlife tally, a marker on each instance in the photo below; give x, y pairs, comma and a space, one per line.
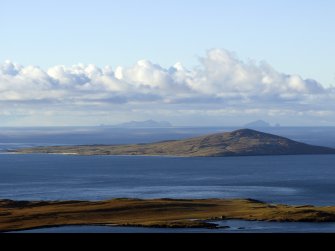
144, 124
243, 142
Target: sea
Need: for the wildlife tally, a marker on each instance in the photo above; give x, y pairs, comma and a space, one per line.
293, 180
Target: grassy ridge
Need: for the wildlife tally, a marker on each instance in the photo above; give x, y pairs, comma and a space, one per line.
167, 213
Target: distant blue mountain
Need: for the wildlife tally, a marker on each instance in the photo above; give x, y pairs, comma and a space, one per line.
144, 124
258, 124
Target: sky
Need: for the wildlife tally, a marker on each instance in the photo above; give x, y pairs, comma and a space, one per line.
213, 62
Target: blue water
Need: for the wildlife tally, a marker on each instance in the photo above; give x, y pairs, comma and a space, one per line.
275, 179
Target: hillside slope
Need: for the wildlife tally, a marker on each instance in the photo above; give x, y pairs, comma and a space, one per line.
244, 142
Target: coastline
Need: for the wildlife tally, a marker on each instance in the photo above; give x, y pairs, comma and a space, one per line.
18, 152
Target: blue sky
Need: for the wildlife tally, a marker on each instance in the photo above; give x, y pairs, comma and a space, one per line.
294, 37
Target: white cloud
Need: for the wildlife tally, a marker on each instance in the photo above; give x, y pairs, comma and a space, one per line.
221, 81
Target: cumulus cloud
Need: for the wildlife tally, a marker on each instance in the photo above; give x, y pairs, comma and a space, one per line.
221, 80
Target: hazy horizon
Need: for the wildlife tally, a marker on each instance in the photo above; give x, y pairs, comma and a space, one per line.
120, 125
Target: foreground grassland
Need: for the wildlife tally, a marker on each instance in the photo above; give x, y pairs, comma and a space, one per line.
165, 213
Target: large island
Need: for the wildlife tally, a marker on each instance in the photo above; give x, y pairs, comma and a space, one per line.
243, 142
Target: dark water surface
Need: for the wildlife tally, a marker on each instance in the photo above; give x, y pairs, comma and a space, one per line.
234, 226
277, 179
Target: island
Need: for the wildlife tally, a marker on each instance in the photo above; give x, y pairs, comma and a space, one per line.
155, 213
244, 142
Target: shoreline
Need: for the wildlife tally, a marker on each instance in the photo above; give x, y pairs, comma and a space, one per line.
23, 152
221, 226
210, 226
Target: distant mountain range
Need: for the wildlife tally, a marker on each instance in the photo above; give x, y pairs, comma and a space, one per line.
258, 124
143, 124
245, 142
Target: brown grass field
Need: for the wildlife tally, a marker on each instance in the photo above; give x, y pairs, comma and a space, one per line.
165, 213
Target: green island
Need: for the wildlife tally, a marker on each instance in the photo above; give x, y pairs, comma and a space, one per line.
245, 142
156, 213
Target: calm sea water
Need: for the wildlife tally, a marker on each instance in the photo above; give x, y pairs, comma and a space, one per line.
275, 179
295, 180
234, 226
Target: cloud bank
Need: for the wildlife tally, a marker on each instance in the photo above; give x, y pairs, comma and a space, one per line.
221, 82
